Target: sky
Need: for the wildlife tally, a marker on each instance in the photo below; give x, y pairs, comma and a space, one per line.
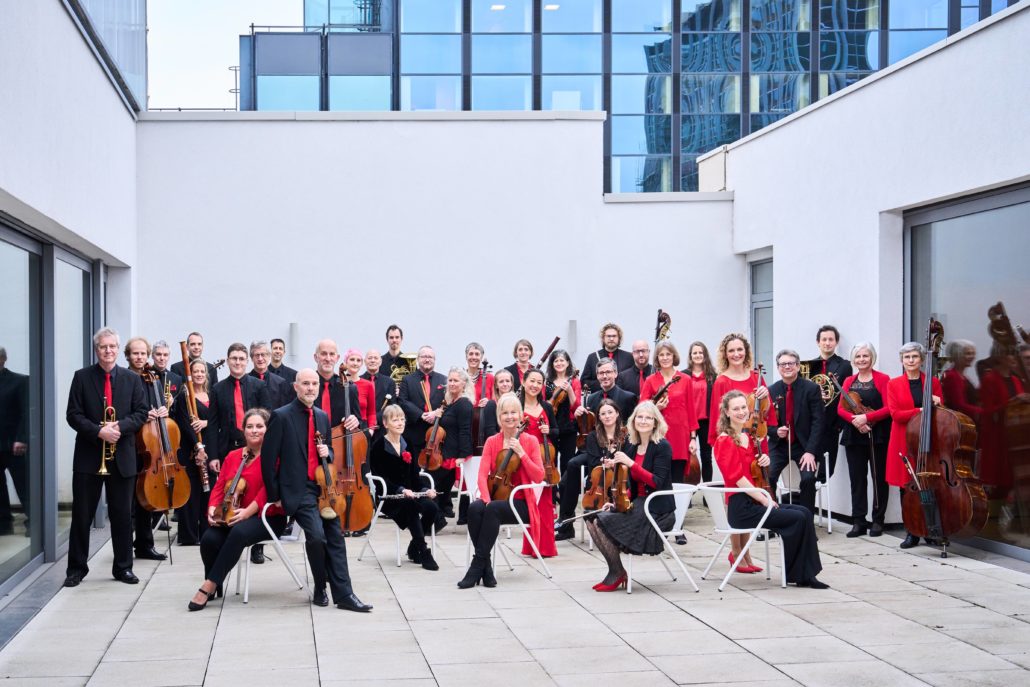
192, 43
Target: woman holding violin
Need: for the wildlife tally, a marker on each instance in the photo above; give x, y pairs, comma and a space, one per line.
351, 369
539, 419
735, 454
486, 515
649, 469
736, 373
193, 516
675, 399
564, 393
504, 383
523, 353
905, 401
222, 543
702, 378
416, 511
455, 425
863, 406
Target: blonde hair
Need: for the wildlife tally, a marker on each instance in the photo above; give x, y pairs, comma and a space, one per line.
660, 425
724, 363
391, 412
506, 401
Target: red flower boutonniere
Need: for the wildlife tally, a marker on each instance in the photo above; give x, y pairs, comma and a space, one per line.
406, 457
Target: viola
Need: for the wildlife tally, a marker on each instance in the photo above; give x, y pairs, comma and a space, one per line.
163, 485
329, 502
431, 457
561, 394
757, 431
661, 393
548, 454
585, 424
506, 464
352, 448
226, 511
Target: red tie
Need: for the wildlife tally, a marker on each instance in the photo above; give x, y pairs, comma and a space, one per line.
312, 448
238, 399
824, 366
641, 379
261, 376
108, 396
790, 411
327, 404
429, 393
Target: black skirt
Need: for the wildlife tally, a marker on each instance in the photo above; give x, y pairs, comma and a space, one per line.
632, 531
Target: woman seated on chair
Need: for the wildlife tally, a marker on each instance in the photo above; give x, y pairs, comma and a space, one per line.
417, 511
734, 455
222, 544
485, 515
650, 470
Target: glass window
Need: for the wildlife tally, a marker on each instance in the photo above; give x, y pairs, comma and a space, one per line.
762, 277
901, 44
361, 16
781, 15
572, 16
571, 92
760, 121
711, 52
72, 341
831, 82
288, 93
641, 94
779, 93
564, 53
502, 16
502, 93
849, 50
316, 12
641, 15
640, 174
640, 54
710, 15
998, 5
636, 135
918, 14
502, 54
122, 27
703, 94
430, 93
780, 52
969, 16
689, 174
430, 54
442, 16
701, 133
359, 93
849, 14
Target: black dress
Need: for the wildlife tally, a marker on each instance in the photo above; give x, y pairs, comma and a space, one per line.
416, 515
632, 531
192, 516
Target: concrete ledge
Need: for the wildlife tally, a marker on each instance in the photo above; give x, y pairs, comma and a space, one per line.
486, 116
678, 197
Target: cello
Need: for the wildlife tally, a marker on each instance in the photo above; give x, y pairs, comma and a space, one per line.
163, 485
351, 449
944, 498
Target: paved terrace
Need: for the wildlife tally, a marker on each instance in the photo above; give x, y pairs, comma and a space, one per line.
892, 618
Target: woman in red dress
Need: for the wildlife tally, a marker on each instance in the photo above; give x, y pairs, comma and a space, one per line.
702, 377
540, 423
676, 406
959, 392
998, 387
351, 369
736, 373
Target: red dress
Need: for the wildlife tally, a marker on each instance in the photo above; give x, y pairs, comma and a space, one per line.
367, 401
720, 387
734, 461
546, 505
251, 474
902, 409
960, 394
700, 395
995, 467
679, 414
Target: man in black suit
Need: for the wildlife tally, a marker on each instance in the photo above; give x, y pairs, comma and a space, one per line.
289, 457
342, 408
607, 372
14, 442
172, 381
386, 388
278, 367
829, 363
611, 339
418, 406
632, 379
195, 348
279, 390
799, 411
93, 389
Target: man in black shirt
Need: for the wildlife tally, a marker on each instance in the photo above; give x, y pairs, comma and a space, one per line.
280, 392
607, 371
611, 339
394, 339
278, 367
829, 363
799, 411
171, 382
14, 442
195, 348
632, 379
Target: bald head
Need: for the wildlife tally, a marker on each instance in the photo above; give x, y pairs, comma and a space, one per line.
306, 386
641, 352
326, 356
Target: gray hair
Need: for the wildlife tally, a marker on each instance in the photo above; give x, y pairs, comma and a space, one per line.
160, 343
912, 346
103, 333
255, 345
476, 346
607, 361
867, 346
788, 351
956, 348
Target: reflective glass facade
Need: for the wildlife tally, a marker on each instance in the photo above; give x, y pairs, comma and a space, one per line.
118, 30
676, 77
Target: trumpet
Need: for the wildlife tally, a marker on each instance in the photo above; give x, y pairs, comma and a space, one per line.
107, 453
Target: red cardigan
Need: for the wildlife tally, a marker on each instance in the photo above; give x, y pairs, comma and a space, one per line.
367, 401
880, 381
956, 397
531, 469
902, 409
251, 474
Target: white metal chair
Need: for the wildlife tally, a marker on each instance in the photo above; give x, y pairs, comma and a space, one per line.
244, 562
717, 507
539, 488
584, 533
682, 493
377, 485
820, 489
790, 481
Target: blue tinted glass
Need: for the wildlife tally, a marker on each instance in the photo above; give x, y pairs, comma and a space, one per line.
505, 16
781, 15
641, 15
764, 120
918, 14
710, 15
719, 93
502, 93
430, 93
688, 173
831, 82
573, 16
359, 93
492, 54
636, 54
360, 16
969, 16
998, 5
779, 93
641, 94
711, 52
901, 44
641, 174
443, 16
571, 92
849, 50
287, 93
316, 12
849, 14
566, 53
780, 52
701, 133
430, 54
636, 135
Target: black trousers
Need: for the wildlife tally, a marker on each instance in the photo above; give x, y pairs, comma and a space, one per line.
325, 546
221, 547
193, 516
566, 448
485, 520
859, 463
778, 462
444, 481
417, 516
143, 522
704, 450
794, 525
569, 488
121, 494
17, 466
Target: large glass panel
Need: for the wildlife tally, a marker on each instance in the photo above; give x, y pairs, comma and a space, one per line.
640, 174
502, 93
430, 54
711, 52
641, 15
831, 82
849, 50
572, 16
701, 133
430, 93
359, 93
718, 93
779, 93
762, 277
689, 173
969, 16
641, 94
571, 92
710, 15
442, 16
760, 121
287, 93
780, 52
364, 15
918, 14
781, 15
502, 16
640, 54
316, 12
493, 54
571, 54
849, 14
636, 135
122, 27
901, 44
998, 5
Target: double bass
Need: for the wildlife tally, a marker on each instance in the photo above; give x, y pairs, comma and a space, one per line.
944, 498
351, 451
163, 485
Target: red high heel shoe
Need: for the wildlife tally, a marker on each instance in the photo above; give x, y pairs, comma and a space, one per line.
602, 587
748, 569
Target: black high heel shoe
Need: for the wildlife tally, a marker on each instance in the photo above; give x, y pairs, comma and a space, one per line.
194, 606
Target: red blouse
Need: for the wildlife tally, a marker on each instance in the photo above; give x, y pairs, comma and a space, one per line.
734, 461
367, 401
642, 479
720, 387
679, 414
700, 390
531, 469
251, 474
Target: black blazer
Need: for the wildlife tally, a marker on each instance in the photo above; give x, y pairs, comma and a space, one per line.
86, 412
221, 435
384, 385
657, 461
624, 399
284, 454
338, 400
14, 409
490, 426
629, 379
174, 380
833, 423
457, 422
808, 416
286, 372
280, 392
516, 382
212, 373
412, 400
593, 449
384, 462
623, 361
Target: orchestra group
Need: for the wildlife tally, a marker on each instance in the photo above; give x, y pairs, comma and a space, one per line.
255, 454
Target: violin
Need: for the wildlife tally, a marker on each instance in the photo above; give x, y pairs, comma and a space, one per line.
661, 393
431, 457
163, 485
226, 511
585, 424
757, 431
358, 506
851, 400
329, 502
548, 454
560, 394
506, 464
621, 495
479, 418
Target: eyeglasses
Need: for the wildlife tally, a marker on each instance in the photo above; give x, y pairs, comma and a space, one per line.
787, 365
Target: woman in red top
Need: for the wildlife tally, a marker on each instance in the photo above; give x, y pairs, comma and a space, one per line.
734, 454
998, 387
523, 353
959, 392
702, 377
676, 406
905, 401
220, 547
735, 372
540, 423
485, 515
351, 369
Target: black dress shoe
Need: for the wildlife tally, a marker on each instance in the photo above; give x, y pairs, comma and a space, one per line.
448, 512
257, 554
565, 532
150, 554
353, 603
127, 576
910, 541
859, 529
814, 584
73, 580
427, 560
876, 529
320, 598
441, 522
681, 539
